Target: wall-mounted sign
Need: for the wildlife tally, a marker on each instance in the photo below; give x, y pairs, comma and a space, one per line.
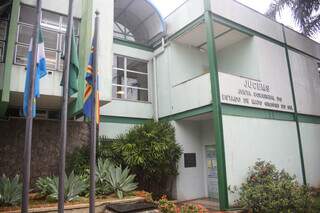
253, 93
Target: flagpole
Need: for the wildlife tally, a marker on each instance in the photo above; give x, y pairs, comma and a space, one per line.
94, 119
64, 111
29, 119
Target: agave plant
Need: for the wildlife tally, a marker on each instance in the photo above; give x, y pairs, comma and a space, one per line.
120, 181
103, 187
10, 190
73, 186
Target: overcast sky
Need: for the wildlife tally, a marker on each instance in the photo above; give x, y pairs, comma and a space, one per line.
167, 6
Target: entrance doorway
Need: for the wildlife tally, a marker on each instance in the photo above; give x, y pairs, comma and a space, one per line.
212, 175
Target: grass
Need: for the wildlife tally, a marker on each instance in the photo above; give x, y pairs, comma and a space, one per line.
316, 204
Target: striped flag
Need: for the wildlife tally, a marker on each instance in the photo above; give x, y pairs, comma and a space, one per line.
88, 94
40, 72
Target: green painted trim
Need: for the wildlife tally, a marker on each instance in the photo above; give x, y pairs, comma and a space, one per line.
188, 113
132, 44
295, 107
243, 111
10, 47
216, 109
312, 119
186, 28
123, 120
75, 107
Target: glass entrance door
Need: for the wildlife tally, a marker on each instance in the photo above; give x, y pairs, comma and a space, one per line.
212, 176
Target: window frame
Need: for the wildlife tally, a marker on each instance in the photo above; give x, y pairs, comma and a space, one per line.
125, 79
59, 38
4, 41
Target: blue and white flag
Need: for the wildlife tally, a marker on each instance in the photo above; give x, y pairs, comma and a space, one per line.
40, 72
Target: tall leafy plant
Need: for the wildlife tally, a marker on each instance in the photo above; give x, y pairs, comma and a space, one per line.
150, 151
10, 191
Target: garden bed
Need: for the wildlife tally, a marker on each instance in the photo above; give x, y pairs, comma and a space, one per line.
79, 206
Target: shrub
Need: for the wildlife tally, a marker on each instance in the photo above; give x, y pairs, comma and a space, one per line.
10, 191
150, 151
103, 187
167, 206
192, 208
270, 190
74, 185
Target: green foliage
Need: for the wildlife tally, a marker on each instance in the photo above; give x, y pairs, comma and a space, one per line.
74, 185
103, 187
166, 206
111, 178
269, 190
305, 13
10, 191
192, 208
150, 151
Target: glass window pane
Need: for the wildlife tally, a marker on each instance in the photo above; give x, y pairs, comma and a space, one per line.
1, 51
118, 61
137, 80
25, 34
137, 94
76, 27
118, 77
27, 14
138, 66
50, 20
21, 54
118, 92
5, 12
51, 59
3, 30
50, 39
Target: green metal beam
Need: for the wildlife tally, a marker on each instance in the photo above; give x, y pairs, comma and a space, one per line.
123, 120
10, 47
295, 107
75, 107
216, 109
309, 119
188, 113
249, 112
132, 44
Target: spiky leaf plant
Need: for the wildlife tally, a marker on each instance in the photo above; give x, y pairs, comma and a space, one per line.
10, 191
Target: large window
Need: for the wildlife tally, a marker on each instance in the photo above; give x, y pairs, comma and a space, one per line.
4, 24
120, 31
53, 27
129, 79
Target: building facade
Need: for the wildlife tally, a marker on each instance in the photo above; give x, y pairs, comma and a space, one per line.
236, 85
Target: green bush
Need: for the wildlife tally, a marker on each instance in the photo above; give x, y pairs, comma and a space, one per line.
102, 186
74, 185
270, 190
150, 151
10, 191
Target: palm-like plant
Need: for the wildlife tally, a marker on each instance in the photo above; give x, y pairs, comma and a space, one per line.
305, 12
10, 190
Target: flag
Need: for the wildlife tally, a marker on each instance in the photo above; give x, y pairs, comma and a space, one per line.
74, 68
88, 94
40, 72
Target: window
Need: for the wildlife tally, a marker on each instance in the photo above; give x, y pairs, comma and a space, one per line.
129, 79
53, 27
4, 25
122, 32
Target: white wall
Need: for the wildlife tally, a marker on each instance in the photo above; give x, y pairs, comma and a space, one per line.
183, 15
310, 135
306, 81
113, 130
270, 60
59, 6
105, 41
243, 15
190, 181
183, 79
271, 140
